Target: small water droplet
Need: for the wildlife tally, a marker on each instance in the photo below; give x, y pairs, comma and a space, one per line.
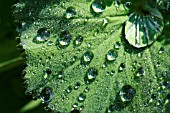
168, 97
77, 85
46, 94
50, 43
20, 27
117, 45
87, 58
98, 7
161, 50
64, 39
70, 12
127, 5
127, 93
75, 105
111, 55
122, 67
69, 89
78, 40
140, 72
166, 84
81, 97
91, 75
105, 22
42, 35
86, 89
60, 74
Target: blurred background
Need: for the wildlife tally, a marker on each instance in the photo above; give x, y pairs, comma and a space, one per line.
12, 90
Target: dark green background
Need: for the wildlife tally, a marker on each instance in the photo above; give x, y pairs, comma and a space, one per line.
12, 91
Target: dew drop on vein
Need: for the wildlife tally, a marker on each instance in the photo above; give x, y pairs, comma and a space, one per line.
87, 58
78, 41
81, 97
91, 75
111, 55
46, 94
42, 35
98, 7
70, 12
64, 39
127, 93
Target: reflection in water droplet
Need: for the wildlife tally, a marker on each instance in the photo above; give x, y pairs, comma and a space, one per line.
87, 58
46, 94
127, 93
64, 39
117, 45
122, 67
70, 12
42, 35
81, 97
98, 7
91, 75
78, 40
140, 72
111, 55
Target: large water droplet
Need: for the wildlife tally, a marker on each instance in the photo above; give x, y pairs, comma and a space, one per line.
98, 7
127, 93
78, 40
111, 55
87, 58
64, 39
70, 12
42, 35
91, 75
46, 94
81, 97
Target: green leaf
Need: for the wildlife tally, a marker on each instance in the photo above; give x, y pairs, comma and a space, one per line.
78, 59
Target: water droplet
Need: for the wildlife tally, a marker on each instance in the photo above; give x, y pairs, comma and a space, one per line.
166, 84
46, 94
81, 97
127, 5
70, 12
168, 97
64, 39
143, 30
117, 45
161, 50
86, 89
60, 74
75, 105
98, 7
111, 55
20, 27
42, 35
87, 58
105, 22
122, 67
127, 93
78, 40
69, 89
50, 43
91, 75
140, 72
77, 85
75, 111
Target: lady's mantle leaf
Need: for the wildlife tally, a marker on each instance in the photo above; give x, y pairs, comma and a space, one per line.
78, 60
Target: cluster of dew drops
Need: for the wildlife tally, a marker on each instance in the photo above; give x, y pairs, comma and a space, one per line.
126, 93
